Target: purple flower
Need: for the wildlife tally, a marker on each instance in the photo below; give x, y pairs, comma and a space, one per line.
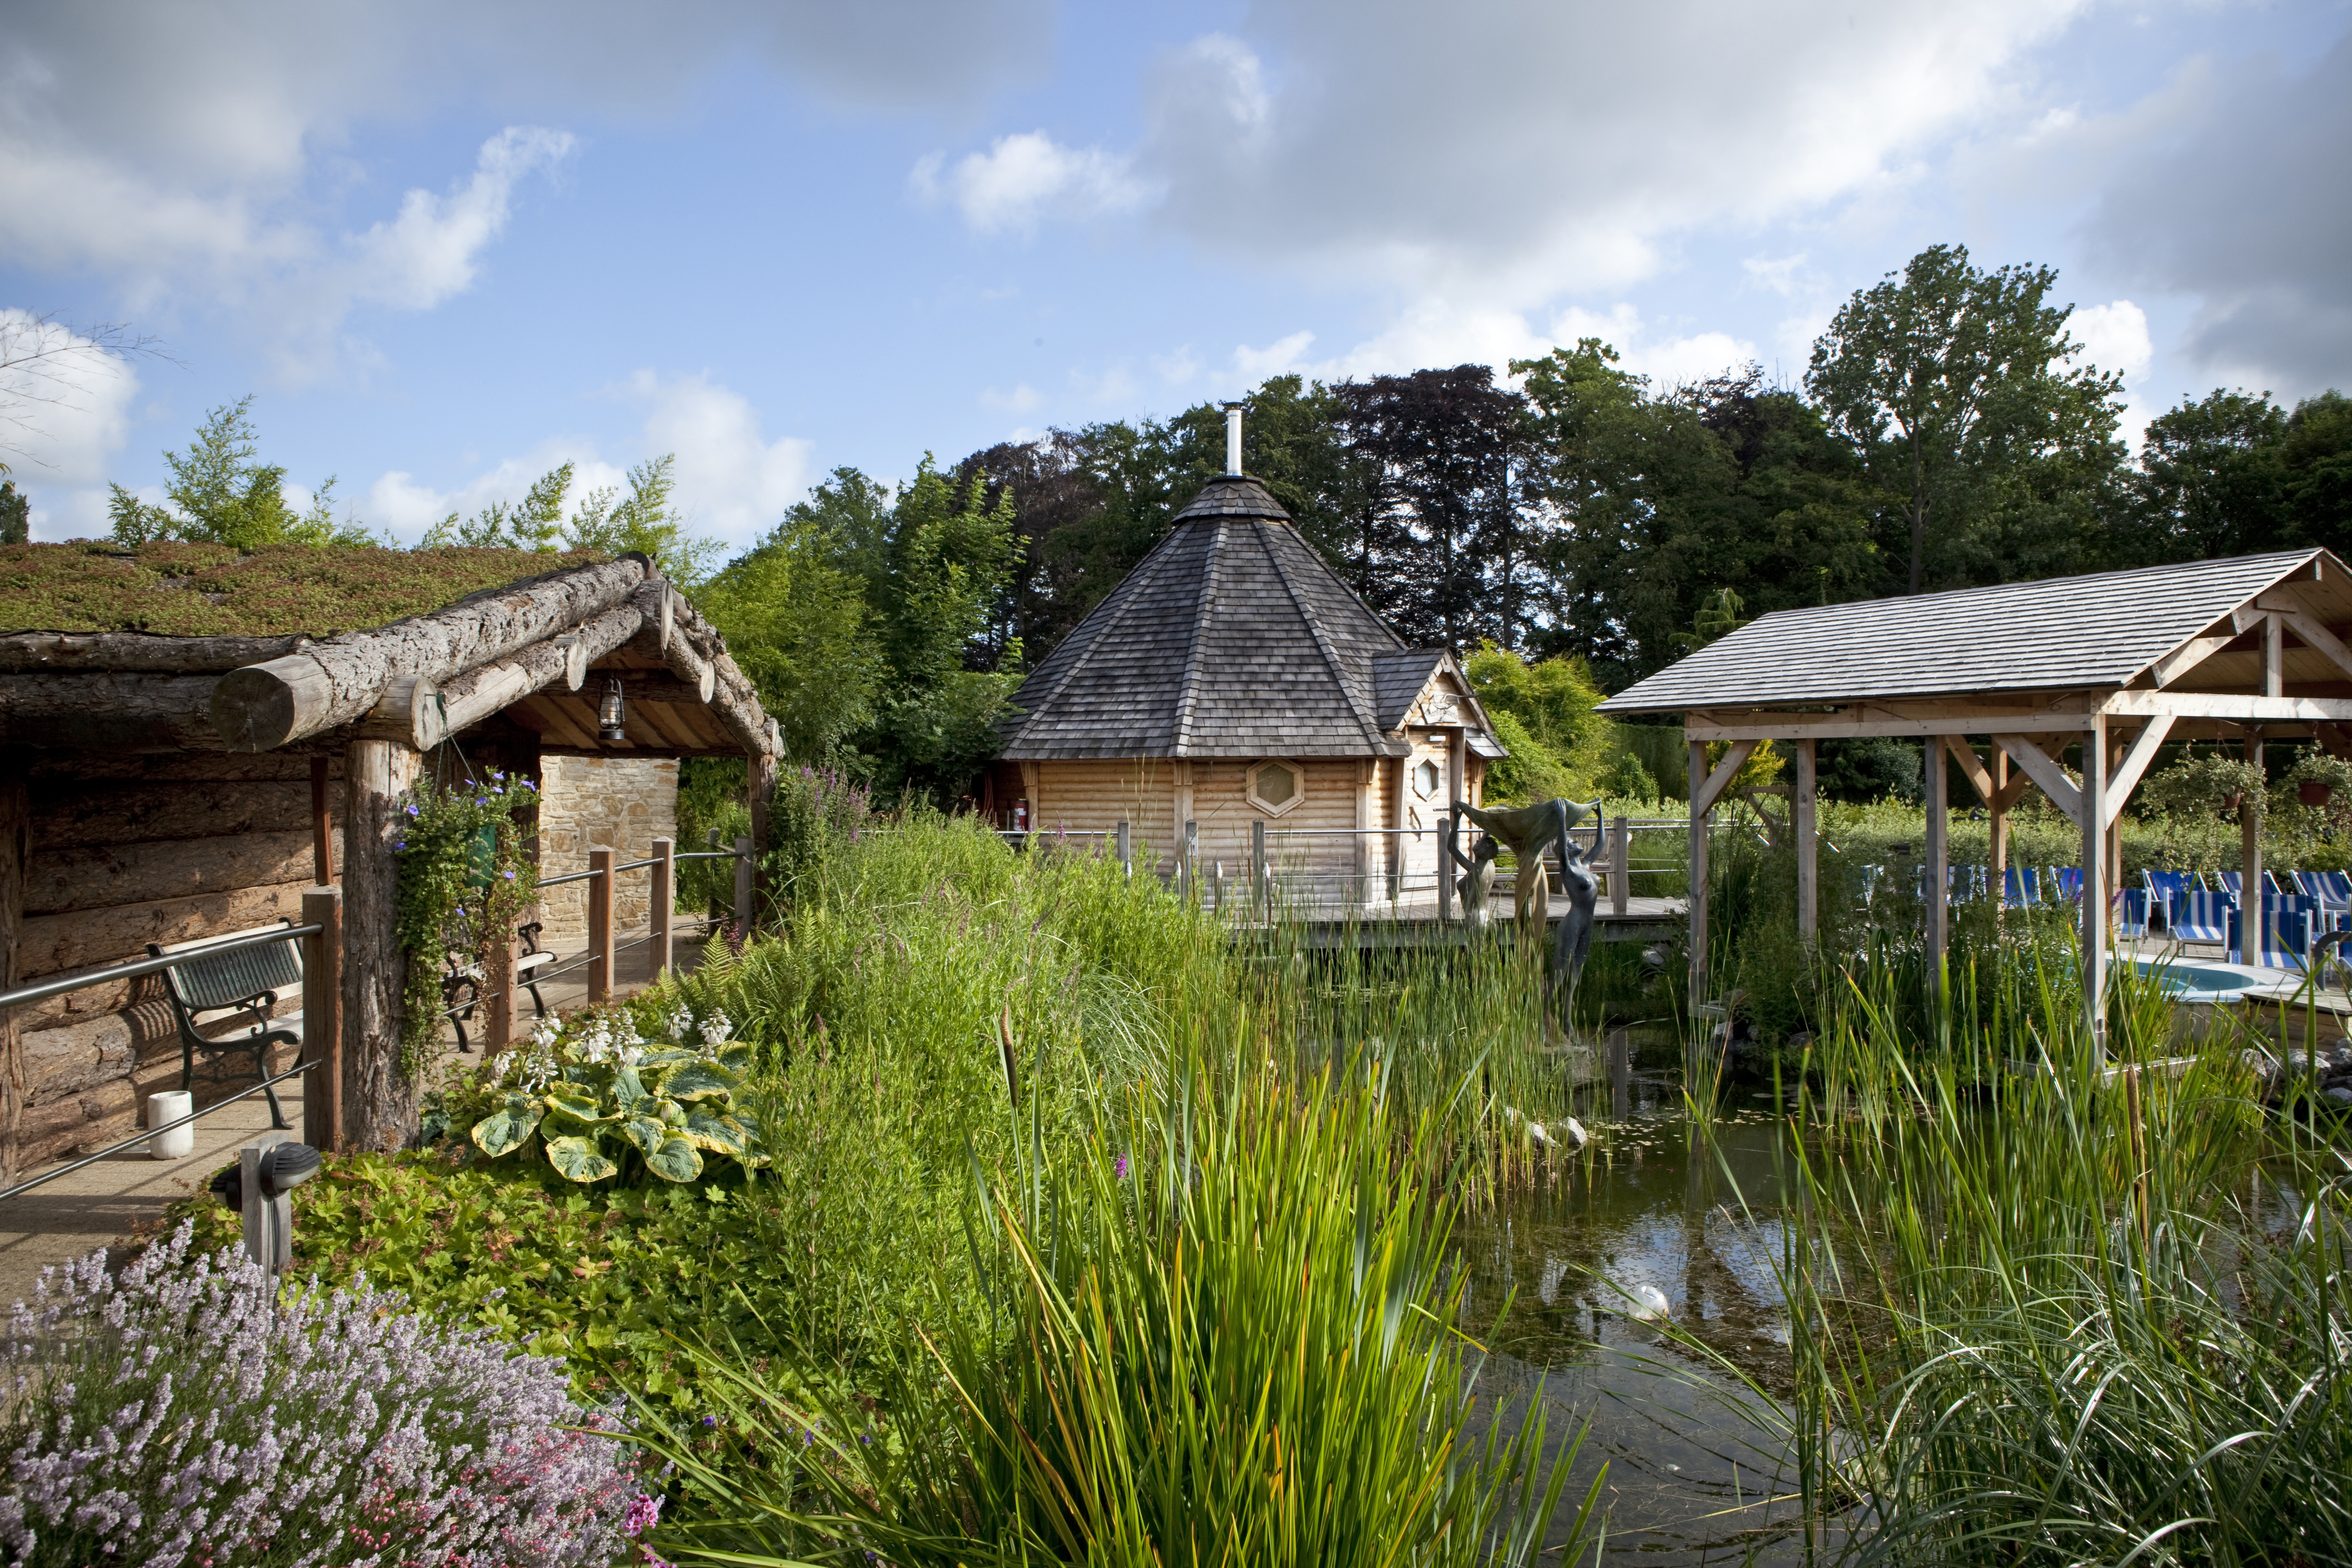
644, 1513
510, 875
710, 1421
412, 811
1120, 1165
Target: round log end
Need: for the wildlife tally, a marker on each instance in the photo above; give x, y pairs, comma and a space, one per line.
261, 707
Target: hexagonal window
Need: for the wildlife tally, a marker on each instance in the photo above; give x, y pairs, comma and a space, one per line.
1428, 778
1276, 788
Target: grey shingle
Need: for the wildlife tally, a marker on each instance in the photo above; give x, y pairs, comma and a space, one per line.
2056, 634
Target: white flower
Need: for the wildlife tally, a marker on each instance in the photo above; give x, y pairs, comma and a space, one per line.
630, 1055
681, 1023
716, 1029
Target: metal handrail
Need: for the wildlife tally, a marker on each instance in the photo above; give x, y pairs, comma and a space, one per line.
113, 1148
62, 984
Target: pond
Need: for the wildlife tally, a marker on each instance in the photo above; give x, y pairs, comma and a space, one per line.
1695, 1468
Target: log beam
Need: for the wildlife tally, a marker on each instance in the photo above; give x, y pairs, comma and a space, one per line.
260, 707
112, 712
30, 653
419, 713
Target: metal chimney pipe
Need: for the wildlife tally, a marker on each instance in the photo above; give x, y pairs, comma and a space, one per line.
1233, 438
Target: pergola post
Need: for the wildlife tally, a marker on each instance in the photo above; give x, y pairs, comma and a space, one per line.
1697, 901
2095, 878
1937, 855
379, 1101
1808, 857
1997, 825
2250, 846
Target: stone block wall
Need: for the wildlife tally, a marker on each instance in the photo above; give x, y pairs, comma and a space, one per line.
586, 803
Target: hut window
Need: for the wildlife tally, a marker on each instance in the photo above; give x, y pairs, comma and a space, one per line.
1427, 777
1276, 788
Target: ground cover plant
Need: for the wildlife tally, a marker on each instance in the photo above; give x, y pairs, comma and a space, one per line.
181, 1413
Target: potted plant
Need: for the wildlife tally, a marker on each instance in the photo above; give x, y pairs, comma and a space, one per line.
2318, 777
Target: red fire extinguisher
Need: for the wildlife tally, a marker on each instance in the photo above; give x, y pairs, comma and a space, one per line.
1020, 816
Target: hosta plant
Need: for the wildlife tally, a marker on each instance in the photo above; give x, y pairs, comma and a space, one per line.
598, 1101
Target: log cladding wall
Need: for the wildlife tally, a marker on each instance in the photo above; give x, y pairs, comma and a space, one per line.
126, 850
1092, 797
622, 804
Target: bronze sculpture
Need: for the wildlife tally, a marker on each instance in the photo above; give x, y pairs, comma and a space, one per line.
1528, 832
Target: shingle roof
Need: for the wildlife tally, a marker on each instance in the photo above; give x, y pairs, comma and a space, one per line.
2100, 630
1398, 679
1232, 638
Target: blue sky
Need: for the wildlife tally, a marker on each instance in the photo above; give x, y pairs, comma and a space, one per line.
447, 245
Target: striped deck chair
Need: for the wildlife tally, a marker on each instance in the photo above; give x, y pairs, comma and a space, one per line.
2130, 908
2163, 887
2201, 917
1870, 875
2020, 888
2065, 884
2283, 940
2331, 891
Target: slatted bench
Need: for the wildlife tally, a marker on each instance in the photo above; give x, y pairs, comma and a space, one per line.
212, 990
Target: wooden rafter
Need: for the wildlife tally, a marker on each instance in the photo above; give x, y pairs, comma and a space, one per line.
1720, 779
2044, 771
2134, 767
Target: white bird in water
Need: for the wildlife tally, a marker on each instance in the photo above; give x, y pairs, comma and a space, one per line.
1648, 1304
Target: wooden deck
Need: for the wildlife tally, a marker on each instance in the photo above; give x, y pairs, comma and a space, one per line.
1412, 920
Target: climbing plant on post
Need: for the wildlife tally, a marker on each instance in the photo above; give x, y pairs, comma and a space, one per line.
465, 883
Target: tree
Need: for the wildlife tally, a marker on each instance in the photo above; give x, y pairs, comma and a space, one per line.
2316, 457
1439, 544
15, 515
1951, 383
795, 618
221, 494
605, 521
535, 523
2209, 483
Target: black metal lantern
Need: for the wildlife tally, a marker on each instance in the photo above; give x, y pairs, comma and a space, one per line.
610, 713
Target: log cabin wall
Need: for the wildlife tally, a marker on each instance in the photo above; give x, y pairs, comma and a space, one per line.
124, 850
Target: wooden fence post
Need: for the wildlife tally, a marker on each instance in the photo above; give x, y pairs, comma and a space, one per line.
1184, 867
1448, 832
743, 869
1261, 890
600, 926
665, 897
499, 1000
322, 837
1621, 863
322, 1019
1126, 848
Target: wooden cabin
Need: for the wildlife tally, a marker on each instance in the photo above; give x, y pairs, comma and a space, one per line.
191, 738
1233, 679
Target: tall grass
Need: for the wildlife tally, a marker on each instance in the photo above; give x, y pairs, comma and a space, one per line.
2051, 1305
1225, 1330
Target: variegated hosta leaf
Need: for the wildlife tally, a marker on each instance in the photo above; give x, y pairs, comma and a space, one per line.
695, 1079
627, 1089
646, 1133
715, 1134
665, 1056
577, 1106
736, 1058
503, 1131
579, 1159
676, 1161
672, 1114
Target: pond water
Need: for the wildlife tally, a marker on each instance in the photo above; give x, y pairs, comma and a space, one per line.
1697, 1469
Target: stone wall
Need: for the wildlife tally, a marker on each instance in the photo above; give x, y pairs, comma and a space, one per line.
587, 803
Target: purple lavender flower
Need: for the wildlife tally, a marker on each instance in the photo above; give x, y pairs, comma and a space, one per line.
179, 1414
1120, 1165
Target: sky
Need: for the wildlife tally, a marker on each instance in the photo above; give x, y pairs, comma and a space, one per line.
448, 245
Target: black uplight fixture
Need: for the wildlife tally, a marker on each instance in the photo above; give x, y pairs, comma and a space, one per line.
610, 713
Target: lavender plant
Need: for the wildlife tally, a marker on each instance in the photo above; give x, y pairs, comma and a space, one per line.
179, 1416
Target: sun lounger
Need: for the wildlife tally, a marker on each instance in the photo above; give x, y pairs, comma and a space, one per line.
2283, 938
2020, 888
2066, 882
2201, 917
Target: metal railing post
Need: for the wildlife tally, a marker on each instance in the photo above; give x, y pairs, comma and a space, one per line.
743, 890
664, 896
1126, 848
1446, 835
1262, 893
599, 925
323, 1018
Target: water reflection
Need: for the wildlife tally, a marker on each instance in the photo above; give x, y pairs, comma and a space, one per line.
1697, 1466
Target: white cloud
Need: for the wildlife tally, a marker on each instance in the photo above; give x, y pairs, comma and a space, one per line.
1279, 357
397, 502
1020, 400
733, 482
65, 410
1024, 176
1177, 368
2114, 338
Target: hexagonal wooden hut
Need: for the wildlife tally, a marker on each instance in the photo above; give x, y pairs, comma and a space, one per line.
164, 788
1230, 680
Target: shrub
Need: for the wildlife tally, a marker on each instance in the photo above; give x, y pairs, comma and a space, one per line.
181, 1414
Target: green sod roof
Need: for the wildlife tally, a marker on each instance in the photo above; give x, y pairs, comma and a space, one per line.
211, 590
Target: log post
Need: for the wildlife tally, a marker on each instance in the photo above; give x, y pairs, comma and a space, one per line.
1935, 780
742, 890
759, 781
1448, 837
322, 1019
1996, 829
379, 1099
16, 850
2094, 880
599, 925
1809, 844
1261, 889
663, 899
1621, 863
1126, 847
322, 841
499, 1001
1696, 899
1368, 773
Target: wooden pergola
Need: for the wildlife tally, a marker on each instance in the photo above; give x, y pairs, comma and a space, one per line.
2115, 665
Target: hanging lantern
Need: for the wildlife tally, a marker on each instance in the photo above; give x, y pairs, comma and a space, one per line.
610, 713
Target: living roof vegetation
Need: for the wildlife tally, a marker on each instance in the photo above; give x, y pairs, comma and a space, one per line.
174, 589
